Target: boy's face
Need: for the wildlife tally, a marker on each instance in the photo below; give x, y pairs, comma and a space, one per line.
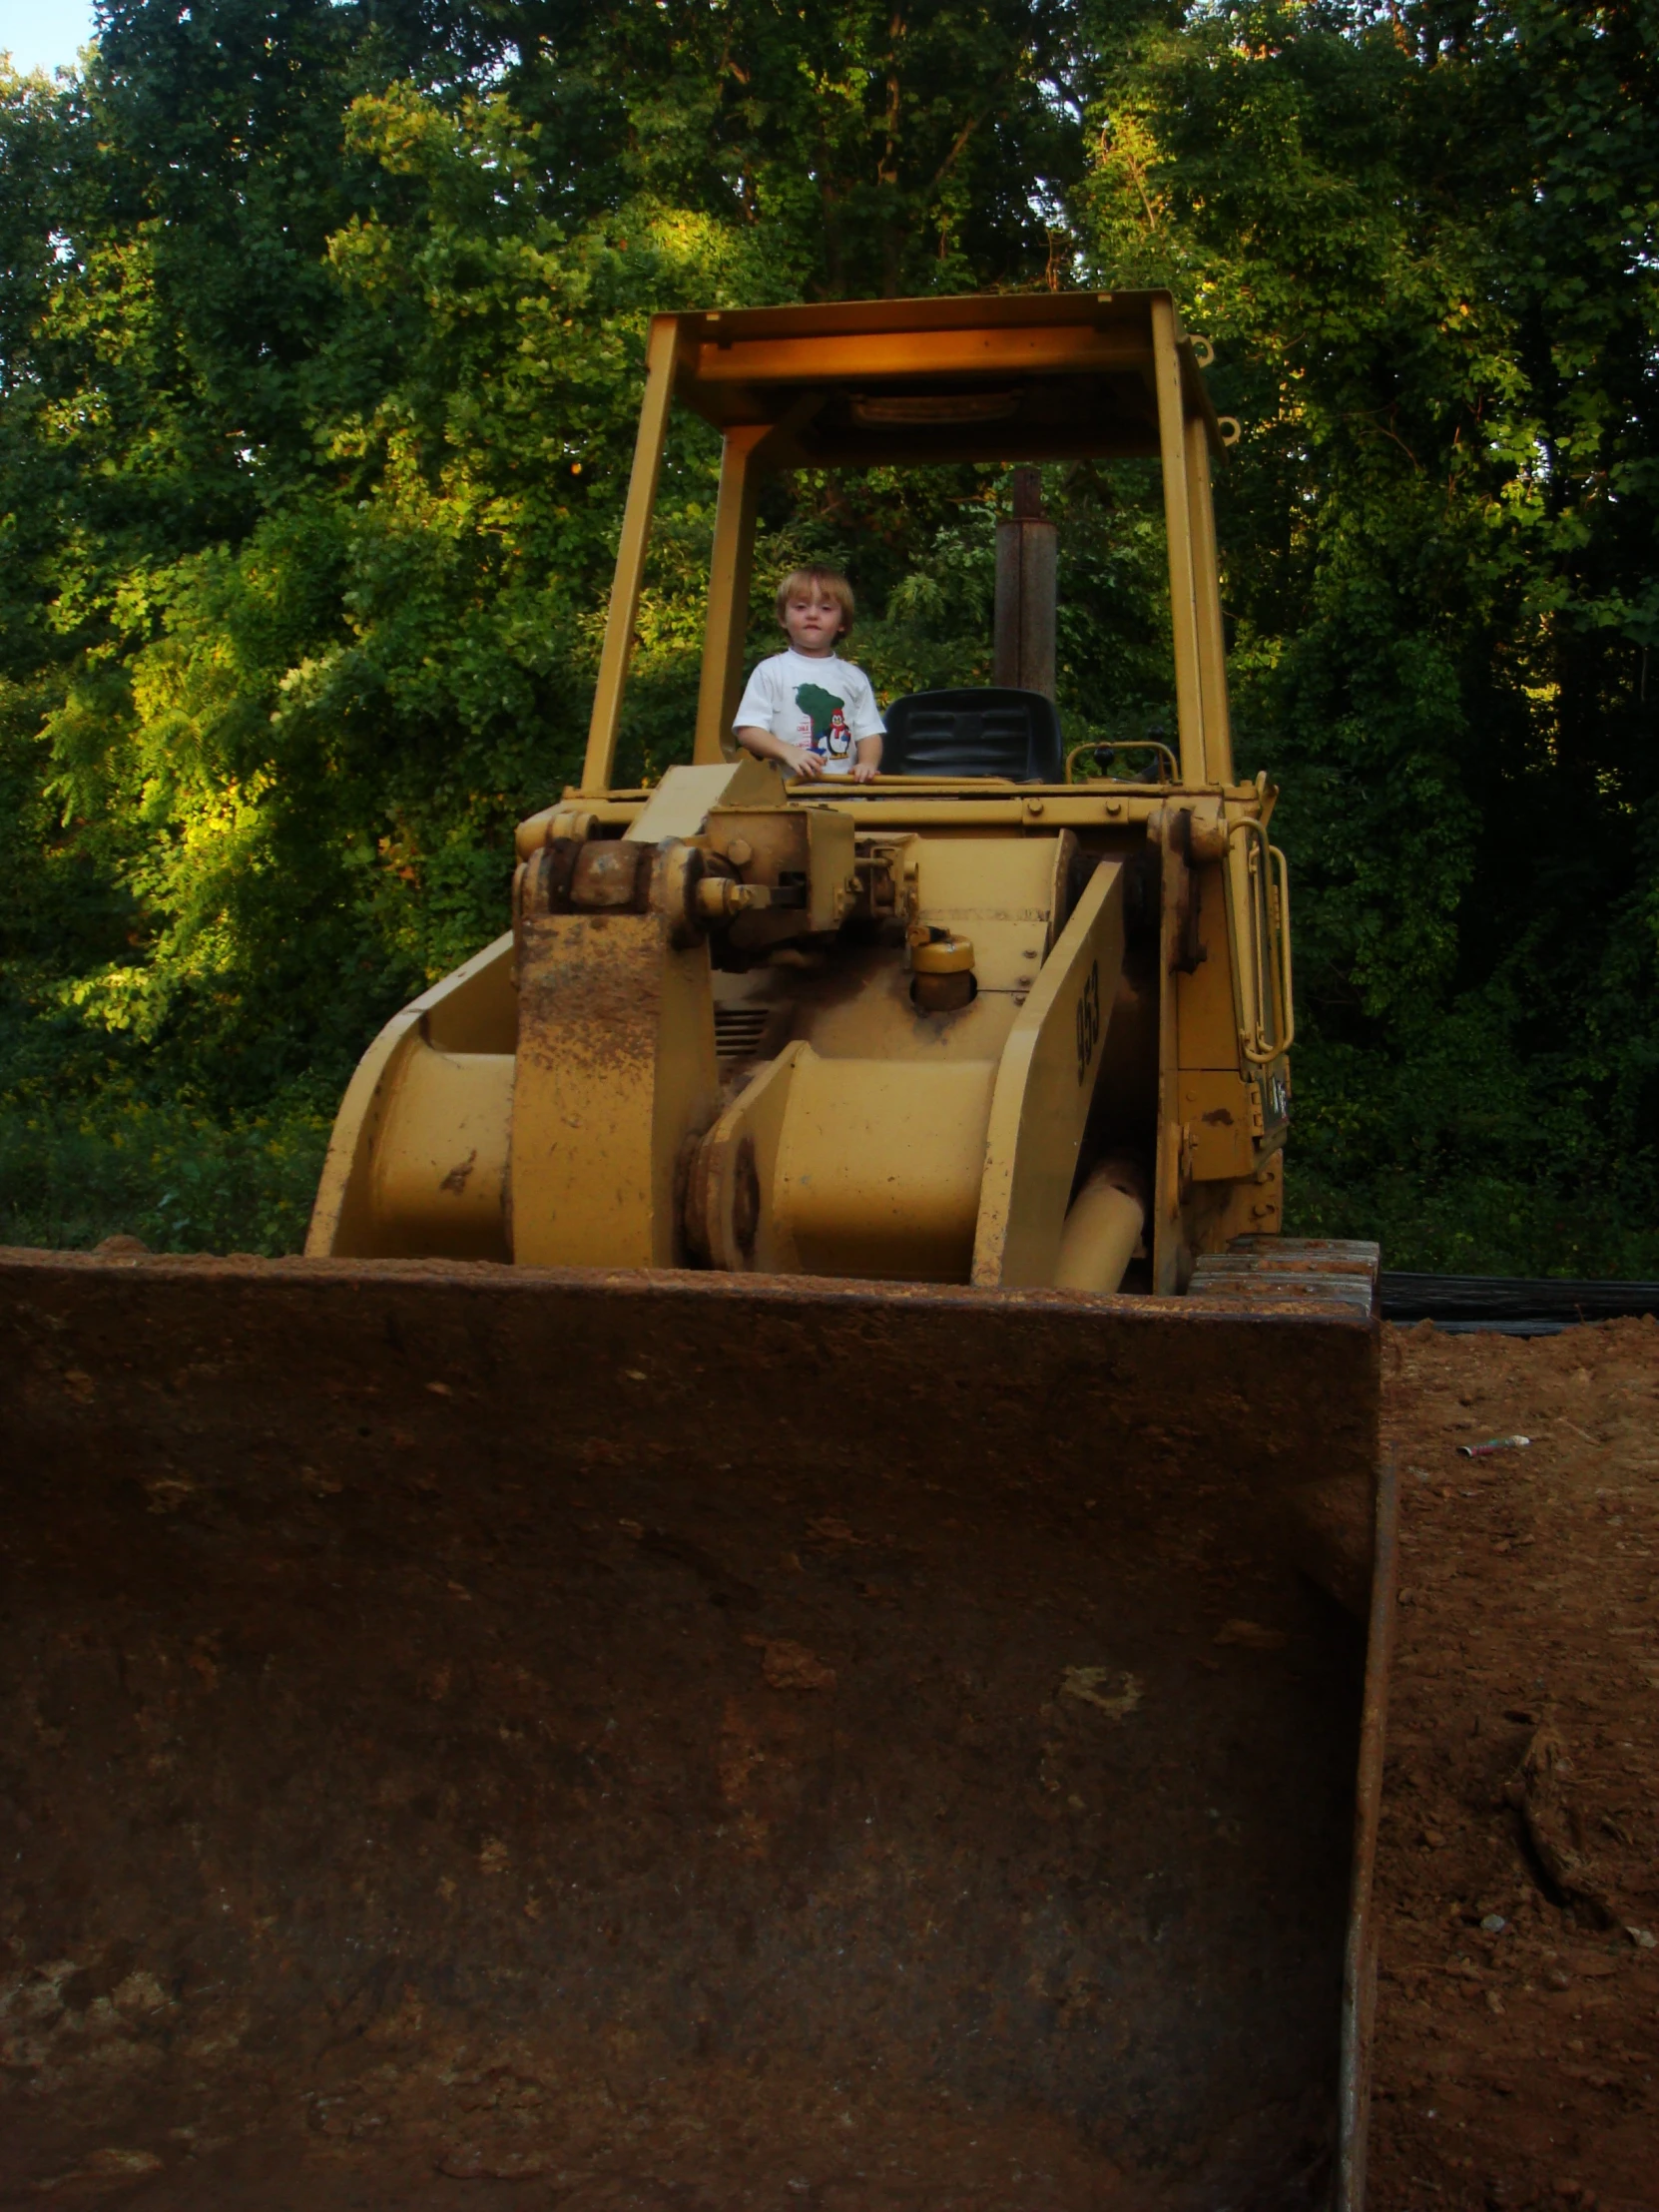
813, 620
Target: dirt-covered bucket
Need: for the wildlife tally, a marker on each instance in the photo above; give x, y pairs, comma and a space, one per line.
490, 1736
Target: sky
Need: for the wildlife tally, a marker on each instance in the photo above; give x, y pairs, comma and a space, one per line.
44, 33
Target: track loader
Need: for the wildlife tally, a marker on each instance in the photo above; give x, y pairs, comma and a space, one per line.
789, 1604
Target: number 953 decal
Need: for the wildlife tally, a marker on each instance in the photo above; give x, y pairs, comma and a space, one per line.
1088, 1021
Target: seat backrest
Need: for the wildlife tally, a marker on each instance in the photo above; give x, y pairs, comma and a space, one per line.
974, 731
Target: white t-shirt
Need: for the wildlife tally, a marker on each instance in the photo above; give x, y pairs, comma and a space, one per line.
823, 705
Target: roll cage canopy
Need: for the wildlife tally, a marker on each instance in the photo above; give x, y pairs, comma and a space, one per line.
1001, 379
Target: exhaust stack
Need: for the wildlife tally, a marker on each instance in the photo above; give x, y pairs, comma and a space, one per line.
1027, 562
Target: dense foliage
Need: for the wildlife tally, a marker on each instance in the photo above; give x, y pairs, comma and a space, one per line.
321, 329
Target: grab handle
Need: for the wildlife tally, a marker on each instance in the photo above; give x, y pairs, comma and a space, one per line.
1269, 908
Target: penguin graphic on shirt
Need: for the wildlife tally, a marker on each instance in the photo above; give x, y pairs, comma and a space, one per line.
826, 716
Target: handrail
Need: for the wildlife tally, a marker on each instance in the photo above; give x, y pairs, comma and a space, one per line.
1127, 744
1270, 927
1288, 1003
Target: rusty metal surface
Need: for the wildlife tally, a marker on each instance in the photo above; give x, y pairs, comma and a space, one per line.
657, 1739
1291, 1270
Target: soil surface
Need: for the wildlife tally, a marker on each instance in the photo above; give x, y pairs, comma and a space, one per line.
1518, 1871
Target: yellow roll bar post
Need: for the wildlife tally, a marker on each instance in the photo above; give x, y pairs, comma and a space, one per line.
1212, 638
630, 560
1182, 598
731, 565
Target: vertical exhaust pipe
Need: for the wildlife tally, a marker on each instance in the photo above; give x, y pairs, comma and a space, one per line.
1027, 563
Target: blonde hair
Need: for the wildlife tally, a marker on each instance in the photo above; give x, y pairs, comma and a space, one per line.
830, 580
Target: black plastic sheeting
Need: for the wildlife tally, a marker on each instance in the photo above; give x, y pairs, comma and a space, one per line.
1511, 1305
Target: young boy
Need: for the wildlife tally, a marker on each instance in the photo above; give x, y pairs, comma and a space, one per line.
807, 707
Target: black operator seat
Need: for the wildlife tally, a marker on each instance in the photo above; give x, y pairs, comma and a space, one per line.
974, 731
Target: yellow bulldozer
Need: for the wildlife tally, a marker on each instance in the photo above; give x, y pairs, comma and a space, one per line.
789, 1604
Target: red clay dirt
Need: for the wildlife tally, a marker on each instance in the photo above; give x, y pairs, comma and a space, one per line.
1516, 2064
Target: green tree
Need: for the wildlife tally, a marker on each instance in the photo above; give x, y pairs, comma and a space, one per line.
1424, 243
320, 334
321, 361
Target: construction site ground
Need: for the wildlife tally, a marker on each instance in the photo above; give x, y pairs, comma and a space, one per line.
1519, 1873
1517, 1881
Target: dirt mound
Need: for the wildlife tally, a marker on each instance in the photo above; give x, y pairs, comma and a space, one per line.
1518, 2019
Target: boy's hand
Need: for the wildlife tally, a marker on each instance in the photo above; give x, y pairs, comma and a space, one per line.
866, 772
807, 765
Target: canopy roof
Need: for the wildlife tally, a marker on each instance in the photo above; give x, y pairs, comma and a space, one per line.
1009, 377
1012, 376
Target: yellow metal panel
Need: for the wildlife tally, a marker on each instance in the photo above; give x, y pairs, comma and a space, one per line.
998, 891
831, 840
1051, 349
1013, 875
811, 845
1216, 1124
1172, 446
472, 1010
1044, 1085
616, 1069
682, 803
864, 1011
879, 1167
630, 559
851, 1167
441, 1165
610, 813
730, 565
900, 803
735, 1172
1124, 311
1256, 1207
1206, 1013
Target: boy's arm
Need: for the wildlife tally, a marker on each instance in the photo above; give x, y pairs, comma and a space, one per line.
866, 757
765, 746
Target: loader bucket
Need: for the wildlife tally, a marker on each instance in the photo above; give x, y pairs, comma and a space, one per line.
489, 1737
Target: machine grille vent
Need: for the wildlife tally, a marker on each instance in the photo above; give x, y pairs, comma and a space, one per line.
739, 1030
